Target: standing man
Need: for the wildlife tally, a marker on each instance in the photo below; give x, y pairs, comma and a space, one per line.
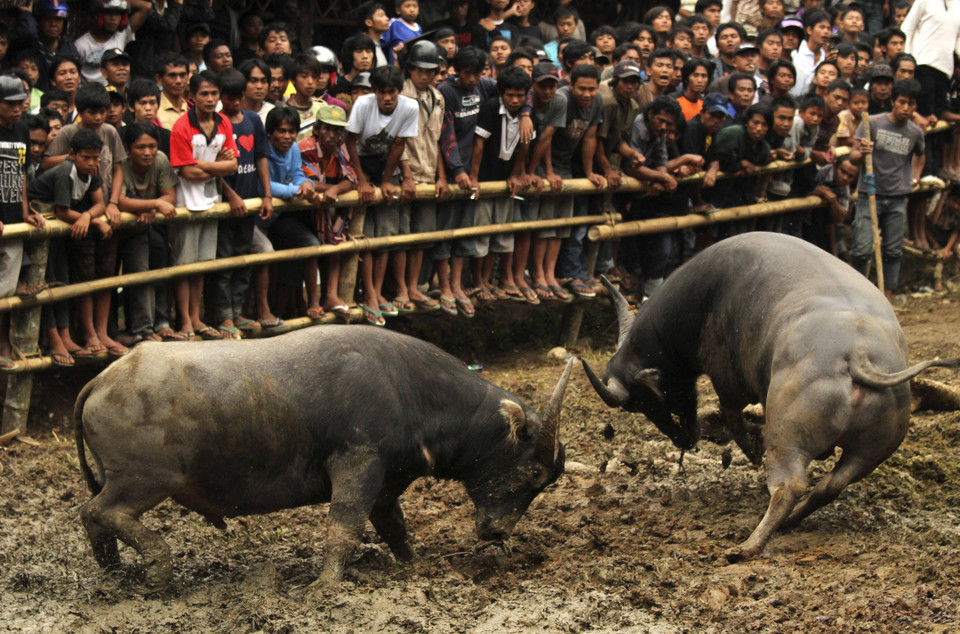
897, 145
171, 73
812, 50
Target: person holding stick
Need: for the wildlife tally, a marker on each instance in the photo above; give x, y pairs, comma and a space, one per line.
897, 146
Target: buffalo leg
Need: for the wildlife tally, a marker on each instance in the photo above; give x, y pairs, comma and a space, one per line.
847, 470
387, 518
103, 541
356, 481
109, 515
786, 482
749, 437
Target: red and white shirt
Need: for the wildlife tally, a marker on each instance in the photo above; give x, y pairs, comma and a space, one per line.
189, 145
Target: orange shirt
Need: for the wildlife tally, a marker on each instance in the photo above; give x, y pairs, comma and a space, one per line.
690, 108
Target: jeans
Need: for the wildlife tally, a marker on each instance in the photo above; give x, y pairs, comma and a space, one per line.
134, 254
891, 216
572, 262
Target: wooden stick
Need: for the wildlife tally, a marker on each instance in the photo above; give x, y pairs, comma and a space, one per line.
6, 439
357, 244
874, 221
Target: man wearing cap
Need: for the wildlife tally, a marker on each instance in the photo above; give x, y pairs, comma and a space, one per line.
620, 108
699, 135
115, 28
744, 61
115, 68
792, 29
811, 51
881, 85
422, 153
45, 33
14, 147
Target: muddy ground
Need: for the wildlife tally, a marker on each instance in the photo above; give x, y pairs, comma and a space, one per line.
623, 544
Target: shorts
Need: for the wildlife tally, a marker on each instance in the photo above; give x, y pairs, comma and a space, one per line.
423, 219
261, 243
193, 242
494, 211
11, 257
455, 214
92, 258
527, 210
551, 208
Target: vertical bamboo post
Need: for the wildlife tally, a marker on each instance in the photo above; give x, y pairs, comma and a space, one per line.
25, 334
573, 316
349, 262
872, 189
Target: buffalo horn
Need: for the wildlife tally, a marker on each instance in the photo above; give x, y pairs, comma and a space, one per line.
624, 316
549, 439
614, 394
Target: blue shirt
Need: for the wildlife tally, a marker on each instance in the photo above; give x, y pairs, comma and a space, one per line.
399, 31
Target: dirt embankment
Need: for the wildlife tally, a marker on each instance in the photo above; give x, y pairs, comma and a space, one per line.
624, 543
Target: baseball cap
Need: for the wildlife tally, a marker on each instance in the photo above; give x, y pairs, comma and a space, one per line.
362, 80
332, 115
746, 47
198, 26
881, 70
111, 54
115, 95
626, 68
715, 102
788, 23
545, 71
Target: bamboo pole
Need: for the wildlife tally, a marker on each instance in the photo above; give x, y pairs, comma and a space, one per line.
25, 334
658, 225
871, 186
357, 244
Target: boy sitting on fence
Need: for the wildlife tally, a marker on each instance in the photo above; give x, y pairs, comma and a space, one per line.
325, 160
499, 155
74, 188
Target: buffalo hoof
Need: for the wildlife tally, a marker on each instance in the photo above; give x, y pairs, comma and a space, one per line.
157, 577
739, 553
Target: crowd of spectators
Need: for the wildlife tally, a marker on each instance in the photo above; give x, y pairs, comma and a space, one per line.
144, 106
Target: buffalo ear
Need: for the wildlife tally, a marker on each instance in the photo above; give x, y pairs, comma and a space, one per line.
516, 419
650, 378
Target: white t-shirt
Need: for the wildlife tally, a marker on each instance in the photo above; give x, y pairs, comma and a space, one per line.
376, 130
91, 51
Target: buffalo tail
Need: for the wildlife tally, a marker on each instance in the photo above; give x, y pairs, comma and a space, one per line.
864, 372
94, 485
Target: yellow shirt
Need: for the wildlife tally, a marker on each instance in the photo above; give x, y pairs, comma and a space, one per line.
168, 113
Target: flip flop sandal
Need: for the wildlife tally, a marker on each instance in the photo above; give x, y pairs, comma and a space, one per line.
465, 308
530, 295
117, 350
314, 313
426, 304
87, 354
209, 334
405, 306
581, 290
543, 292
512, 292
8, 365
560, 294
387, 309
248, 324
228, 333
340, 310
272, 324
373, 317
168, 334
448, 305
485, 295
62, 360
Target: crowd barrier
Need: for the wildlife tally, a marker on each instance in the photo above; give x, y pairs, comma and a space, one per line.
604, 226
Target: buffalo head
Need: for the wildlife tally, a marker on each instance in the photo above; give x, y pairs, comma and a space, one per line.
630, 385
504, 489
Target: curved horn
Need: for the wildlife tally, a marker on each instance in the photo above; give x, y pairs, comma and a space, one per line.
650, 378
547, 441
624, 316
614, 394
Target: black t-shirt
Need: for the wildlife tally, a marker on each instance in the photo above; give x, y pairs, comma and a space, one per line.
14, 146
470, 34
490, 127
532, 31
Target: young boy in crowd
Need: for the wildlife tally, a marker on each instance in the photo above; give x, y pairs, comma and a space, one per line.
257, 74
565, 19
374, 23
116, 109
38, 130
897, 145
403, 28
306, 73
325, 159
423, 157
376, 138
251, 180
851, 118
462, 96
92, 103
578, 139
293, 229
498, 155
143, 102
75, 189
149, 190
202, 150
798, 144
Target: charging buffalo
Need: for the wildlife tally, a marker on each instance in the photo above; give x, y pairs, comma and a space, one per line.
341, 414
774, 320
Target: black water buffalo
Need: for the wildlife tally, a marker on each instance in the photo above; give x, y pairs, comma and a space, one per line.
774, 320
341, 414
